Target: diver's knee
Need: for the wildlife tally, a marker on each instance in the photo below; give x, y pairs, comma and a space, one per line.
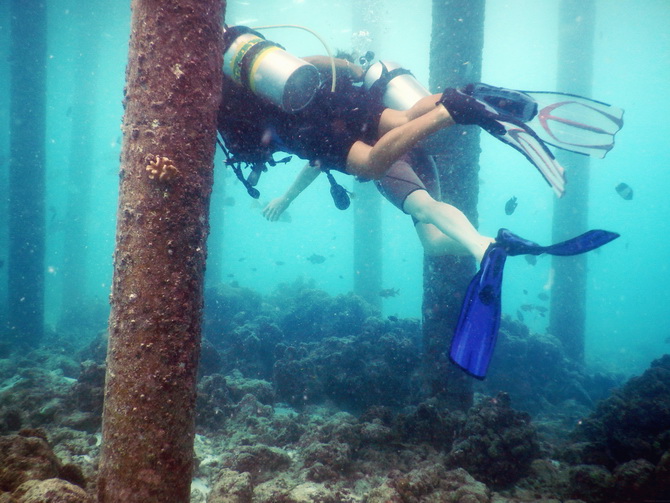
419, 205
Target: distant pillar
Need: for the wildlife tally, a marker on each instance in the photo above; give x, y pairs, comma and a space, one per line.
81, 166
368, 244
27, 126
455, 58
173, 89
368, 256
575, 75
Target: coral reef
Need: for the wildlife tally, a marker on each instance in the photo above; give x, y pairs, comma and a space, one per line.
30, 472
377, 367
87, 394
161, 168
304, 397
548, 381
49, 491
626, 440
496, 443
432, 483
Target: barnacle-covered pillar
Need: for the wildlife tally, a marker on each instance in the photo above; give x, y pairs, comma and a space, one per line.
172, 97
455, 59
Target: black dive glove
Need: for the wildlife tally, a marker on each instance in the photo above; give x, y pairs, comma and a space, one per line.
465, 109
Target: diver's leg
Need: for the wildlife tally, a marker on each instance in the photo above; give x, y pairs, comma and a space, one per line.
449, 220
436, 243
373, 162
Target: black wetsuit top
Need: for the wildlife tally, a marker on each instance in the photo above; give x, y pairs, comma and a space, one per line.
323, 131
326, 129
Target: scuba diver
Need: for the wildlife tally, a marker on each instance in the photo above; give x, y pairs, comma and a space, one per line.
338, 124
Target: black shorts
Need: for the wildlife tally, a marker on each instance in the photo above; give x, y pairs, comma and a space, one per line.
414, 171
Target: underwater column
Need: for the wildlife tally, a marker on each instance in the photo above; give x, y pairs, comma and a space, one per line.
173, 89
368, 257
575, 75
27, 172
82, 165
457, 43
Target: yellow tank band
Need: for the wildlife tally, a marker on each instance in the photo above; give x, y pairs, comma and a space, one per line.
236, 62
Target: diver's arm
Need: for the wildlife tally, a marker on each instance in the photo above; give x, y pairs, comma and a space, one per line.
277, 206
323, 64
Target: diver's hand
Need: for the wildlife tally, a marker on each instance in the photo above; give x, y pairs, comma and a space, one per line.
465, 109
275, 208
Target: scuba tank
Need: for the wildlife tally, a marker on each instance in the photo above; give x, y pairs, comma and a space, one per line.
268, 70
396, 87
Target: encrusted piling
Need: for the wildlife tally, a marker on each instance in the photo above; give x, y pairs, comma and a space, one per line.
173, 84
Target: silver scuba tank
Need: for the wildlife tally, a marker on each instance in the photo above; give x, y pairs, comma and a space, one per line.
400, 89
268, 70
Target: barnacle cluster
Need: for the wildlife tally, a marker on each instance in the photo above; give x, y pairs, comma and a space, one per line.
161, 168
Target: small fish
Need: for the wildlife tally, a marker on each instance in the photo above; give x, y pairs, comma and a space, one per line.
316, 259
519, 315
389, 292
511, 205
531, 259
279, 262
543, 296
242, 259
625, 191
392, 318
533, 307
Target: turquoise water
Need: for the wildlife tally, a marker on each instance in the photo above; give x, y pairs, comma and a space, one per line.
627, 324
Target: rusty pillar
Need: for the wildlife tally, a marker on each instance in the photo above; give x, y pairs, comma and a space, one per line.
173, 88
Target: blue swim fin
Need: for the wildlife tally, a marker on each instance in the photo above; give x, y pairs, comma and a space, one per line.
477, 328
